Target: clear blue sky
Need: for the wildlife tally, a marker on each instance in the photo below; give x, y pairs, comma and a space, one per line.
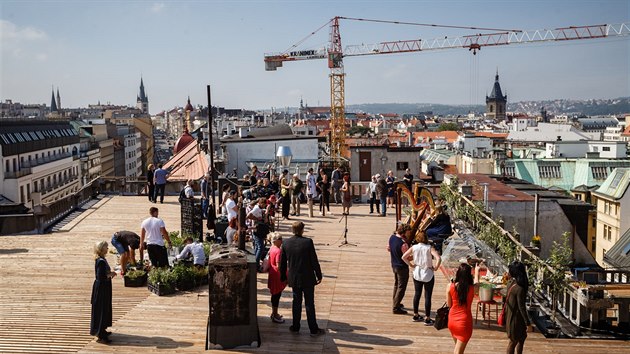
97, 50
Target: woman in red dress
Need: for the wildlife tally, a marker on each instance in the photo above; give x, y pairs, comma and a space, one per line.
274, 283
459, 298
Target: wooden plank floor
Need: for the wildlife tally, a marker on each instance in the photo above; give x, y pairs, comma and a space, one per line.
46, 281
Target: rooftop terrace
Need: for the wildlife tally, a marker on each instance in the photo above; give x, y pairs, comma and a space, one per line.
46, 280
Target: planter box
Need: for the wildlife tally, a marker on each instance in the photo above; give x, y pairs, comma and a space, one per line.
202, 281
185, 286
160, 290
136, 282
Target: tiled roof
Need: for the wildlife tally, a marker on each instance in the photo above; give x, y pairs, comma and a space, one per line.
492, 135
497, 191
627, 131
449, 136
189, 163
616, 184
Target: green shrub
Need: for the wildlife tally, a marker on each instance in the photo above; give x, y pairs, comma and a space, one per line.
135, 274
162, 276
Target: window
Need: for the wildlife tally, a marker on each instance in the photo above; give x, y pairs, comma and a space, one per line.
599, 172
605, 148
401, 166
616, 180
549, 170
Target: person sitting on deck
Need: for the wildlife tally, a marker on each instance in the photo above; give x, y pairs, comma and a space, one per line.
194, 249
126, 243
440, 227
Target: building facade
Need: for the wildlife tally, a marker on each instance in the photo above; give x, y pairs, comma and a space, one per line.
40, 161
613, 208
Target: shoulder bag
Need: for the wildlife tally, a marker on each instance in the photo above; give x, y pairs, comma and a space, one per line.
441, 317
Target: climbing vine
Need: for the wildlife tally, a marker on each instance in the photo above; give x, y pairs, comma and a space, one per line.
490, 233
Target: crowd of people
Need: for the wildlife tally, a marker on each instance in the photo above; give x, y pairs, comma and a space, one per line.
294, 261
423, 259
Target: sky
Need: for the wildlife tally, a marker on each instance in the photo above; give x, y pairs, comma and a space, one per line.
97, 51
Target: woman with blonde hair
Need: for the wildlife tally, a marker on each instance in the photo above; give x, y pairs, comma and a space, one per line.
101, 294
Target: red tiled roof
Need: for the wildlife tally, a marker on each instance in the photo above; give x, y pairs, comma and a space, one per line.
449, 136
497, 191
492, 135
189, 163
390, 115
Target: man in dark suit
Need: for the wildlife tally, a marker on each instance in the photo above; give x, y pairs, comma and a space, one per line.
304, 274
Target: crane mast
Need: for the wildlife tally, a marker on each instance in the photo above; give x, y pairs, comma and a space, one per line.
337, 92
335, 54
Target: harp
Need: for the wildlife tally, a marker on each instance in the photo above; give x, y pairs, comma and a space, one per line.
418, 209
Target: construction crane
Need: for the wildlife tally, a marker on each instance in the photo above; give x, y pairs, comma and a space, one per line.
335, 53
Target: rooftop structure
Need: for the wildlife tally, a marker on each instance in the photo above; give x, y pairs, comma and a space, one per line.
353, 308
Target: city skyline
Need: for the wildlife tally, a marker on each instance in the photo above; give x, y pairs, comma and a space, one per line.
99, 51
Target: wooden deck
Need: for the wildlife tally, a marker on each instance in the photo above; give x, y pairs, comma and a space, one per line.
45, 284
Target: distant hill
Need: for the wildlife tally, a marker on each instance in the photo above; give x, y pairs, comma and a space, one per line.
414, 108
619, 105
561, 106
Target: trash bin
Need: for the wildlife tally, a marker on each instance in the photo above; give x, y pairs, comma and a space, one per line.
232, 319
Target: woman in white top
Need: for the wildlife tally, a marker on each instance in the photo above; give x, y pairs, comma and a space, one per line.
420, 256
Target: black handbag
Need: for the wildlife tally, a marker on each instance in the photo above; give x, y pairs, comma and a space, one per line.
441, 317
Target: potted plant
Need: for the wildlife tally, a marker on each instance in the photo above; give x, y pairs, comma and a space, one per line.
185, 277
161, 281
535, 242
135, 278
201, 276
486, 291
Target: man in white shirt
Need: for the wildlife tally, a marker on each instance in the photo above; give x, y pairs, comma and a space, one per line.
311, 190
231, 207
196, 250
262, 229
188, 190
154, 233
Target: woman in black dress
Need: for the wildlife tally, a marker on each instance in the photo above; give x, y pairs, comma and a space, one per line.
324, 188
101, 295
516, 318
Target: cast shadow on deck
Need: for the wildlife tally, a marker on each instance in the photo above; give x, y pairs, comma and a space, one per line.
129, 340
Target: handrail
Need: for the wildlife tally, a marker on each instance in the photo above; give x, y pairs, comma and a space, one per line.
502, 230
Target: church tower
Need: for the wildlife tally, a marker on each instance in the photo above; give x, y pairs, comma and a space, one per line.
58, 100
143, 100
496, 102
53, 103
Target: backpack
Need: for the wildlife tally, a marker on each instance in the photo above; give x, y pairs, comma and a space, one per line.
182, 195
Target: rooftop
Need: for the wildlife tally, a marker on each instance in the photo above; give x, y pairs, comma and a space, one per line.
45, 302
616, 184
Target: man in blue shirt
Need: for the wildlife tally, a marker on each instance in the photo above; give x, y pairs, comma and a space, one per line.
159, 178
